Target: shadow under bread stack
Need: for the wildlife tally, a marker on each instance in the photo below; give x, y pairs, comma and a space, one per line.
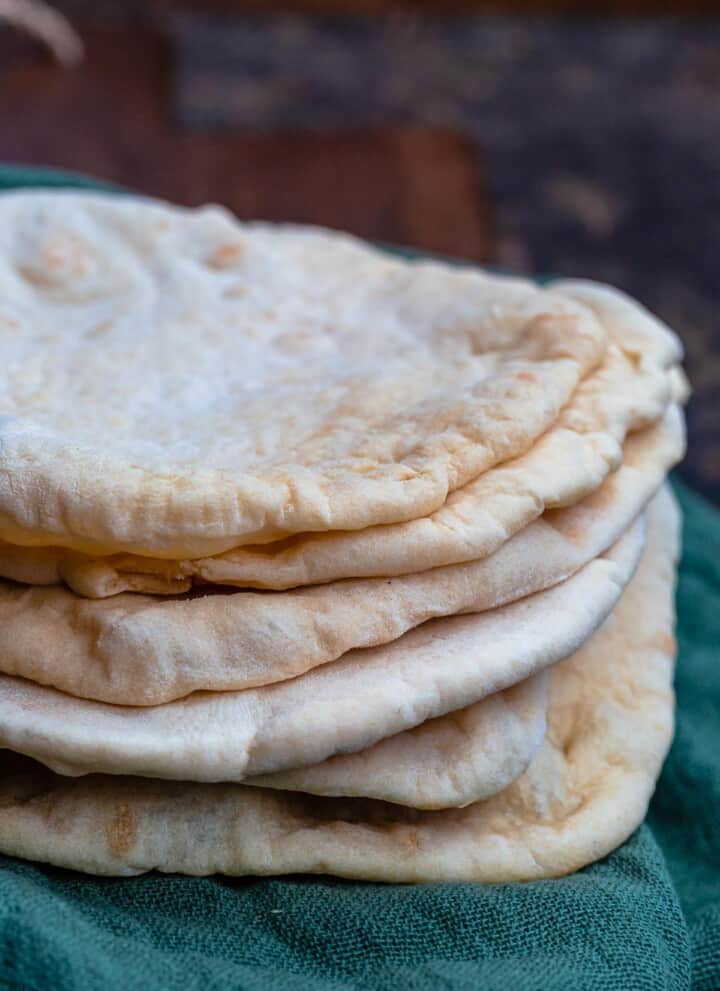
318, 560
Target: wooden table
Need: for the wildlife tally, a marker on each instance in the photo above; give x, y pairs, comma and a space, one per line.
110, 118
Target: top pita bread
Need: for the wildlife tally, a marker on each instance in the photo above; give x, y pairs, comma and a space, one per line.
627, 392
177, 383
568, 462
611, 718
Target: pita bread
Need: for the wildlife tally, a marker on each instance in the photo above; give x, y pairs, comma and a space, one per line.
571, 460
136, 650
204, 383
643, 336
679, 385
339, 708
611, 717
444, 763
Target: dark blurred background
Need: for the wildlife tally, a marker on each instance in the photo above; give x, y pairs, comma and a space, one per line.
545, 137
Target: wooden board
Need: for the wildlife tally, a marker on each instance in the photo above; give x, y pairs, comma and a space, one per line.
110, 118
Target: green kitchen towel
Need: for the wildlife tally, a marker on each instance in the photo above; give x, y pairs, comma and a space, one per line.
645, 918
34, 176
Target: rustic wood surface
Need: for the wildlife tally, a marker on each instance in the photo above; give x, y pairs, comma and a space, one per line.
110, 118
126, 9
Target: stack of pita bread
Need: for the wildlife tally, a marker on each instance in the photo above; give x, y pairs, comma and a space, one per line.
315, 559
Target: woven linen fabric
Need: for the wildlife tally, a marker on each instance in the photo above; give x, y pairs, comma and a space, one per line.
647, 917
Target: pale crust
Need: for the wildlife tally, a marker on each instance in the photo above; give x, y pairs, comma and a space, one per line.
443, 763
176, 383
611, 719
447, 762
572, 459
342, 707
144, 651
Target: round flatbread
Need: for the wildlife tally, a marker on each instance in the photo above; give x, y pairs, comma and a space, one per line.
176, 383
628, 392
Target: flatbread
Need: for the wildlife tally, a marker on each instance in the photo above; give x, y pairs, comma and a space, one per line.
138, 650
568, 462
444, 763
177, 383
339, 708
611, 718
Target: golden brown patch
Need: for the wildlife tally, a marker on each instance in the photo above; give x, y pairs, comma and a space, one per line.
666, 643
226, 256
68, 255
411, 839
122, 831
526, 377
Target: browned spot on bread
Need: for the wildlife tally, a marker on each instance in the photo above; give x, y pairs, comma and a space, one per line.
411, 839
226, 256
9, 323
101, 329
526, 377
235, 292
666, 643
122, 831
